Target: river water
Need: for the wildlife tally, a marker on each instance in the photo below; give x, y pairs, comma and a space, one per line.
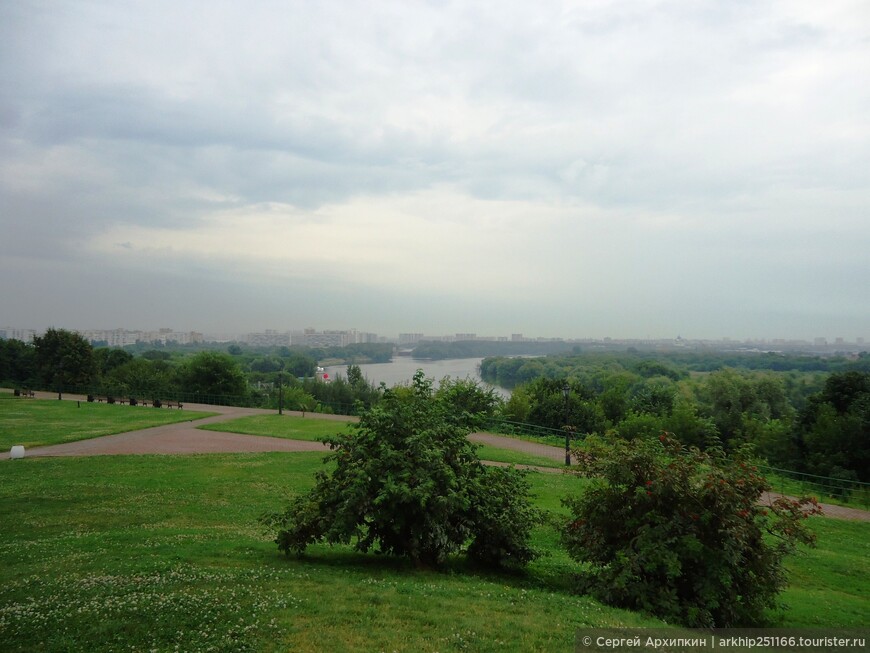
402, 368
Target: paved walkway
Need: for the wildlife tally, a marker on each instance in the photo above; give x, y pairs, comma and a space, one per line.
186, 438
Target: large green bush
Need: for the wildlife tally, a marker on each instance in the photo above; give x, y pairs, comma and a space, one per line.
407, 482
680, 533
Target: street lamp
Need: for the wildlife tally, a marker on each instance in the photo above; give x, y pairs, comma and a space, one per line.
280, 393
566, 392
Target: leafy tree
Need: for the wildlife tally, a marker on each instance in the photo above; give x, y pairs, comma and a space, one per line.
156, 355
654, 397
408, 483
732, 399
64, 360
640, 425
548, 406
833, 431
212, 373
295, 398
471, 404
843, 390
340, 396
614, 395
108, 358
300, 366
652, 368
266, 364
354, 375
680, 533
141, 378
17, 362
688, 426
518, 407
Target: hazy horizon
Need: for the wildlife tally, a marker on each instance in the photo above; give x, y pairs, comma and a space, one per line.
613, 169
431, 335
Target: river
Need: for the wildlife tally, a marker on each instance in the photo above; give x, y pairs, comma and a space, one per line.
402, 368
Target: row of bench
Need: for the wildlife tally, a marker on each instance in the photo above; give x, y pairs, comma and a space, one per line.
156, 403
109, 399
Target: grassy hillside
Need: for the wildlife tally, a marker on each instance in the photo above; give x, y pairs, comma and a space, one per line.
165, 553
159, 552
41, 422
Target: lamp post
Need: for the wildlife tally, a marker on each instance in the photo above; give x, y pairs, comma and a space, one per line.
566, 392
280, 393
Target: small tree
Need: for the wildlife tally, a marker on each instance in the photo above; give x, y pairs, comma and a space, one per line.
680, 533
409, 483
296, 398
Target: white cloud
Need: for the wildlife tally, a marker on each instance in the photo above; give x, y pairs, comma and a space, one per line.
436, 240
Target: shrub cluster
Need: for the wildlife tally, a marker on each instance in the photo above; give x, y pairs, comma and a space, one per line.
680, 533
408, 482
674, 532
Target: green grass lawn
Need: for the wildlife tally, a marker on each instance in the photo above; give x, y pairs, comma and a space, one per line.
150, 552
165, 553
40, 422
488, 452
314, 429
290, 427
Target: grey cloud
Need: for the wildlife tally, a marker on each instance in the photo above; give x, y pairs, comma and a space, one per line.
738, 126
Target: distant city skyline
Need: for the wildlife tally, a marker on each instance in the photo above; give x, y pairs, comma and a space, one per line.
122, 336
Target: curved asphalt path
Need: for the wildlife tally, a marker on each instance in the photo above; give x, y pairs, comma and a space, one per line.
186, 438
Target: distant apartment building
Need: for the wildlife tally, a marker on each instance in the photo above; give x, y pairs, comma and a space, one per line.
125, 338
332, 337
466, 336
165, 336
24, 335
312, 338
268, 338
409, 338
111, 337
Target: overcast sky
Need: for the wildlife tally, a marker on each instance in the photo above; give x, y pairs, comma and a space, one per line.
588, 169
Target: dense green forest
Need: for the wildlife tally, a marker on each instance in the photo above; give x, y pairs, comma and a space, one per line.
483, 348
231, 374
802, 413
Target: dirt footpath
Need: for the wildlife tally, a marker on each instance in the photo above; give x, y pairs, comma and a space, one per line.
179, 438
186, 438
